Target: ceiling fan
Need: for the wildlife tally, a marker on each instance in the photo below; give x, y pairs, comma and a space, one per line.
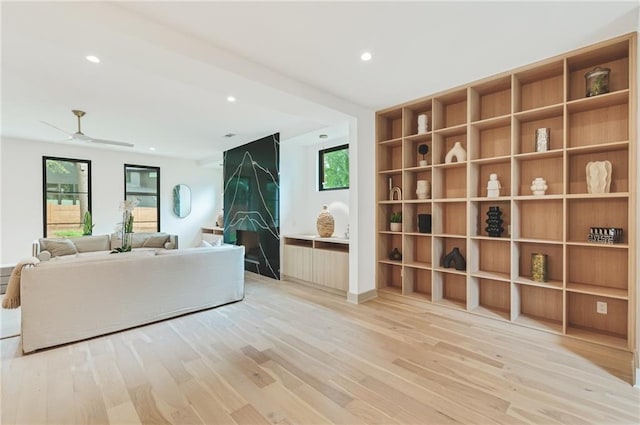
79, 135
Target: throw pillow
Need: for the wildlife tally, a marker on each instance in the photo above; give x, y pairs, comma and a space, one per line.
58, 247
155, 241
204, 244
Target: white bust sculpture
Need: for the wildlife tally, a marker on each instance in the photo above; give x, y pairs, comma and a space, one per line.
539, 186
493, 186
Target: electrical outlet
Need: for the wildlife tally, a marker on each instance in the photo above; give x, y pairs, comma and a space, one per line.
601, 307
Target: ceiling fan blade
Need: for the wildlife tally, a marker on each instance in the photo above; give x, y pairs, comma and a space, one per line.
57, 128
106, 142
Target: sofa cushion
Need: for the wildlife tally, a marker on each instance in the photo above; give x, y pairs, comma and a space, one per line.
92, 243
156, 241
58, 247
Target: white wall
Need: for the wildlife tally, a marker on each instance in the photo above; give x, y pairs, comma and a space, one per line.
300, 199
21, 192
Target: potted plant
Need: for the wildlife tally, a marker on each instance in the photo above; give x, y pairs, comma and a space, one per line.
396, 221
87, 224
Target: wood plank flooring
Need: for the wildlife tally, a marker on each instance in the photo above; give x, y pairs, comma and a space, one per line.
290, 354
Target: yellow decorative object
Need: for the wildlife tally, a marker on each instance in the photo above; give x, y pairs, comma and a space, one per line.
539, 267
325, 223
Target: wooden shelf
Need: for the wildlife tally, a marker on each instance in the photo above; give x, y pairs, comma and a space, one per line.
496, 120
539, 323
598, 290
552, 284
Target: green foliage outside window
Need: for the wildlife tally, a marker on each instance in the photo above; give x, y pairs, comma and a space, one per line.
334, 168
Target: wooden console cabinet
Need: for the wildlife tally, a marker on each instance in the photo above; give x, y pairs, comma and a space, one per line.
323, 262
495, 120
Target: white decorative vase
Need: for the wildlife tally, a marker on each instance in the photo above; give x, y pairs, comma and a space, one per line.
598, 176
325, 223
395, 227
539, 186
457, 152
423, 163
220, 219
423, 123
423, 189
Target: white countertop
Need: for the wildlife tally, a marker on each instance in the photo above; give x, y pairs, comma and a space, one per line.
332, 239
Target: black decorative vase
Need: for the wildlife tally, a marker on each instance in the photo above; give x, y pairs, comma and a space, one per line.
494, 222
395, 255
424, 223
456, 258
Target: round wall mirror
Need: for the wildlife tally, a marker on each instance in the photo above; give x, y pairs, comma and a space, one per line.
181, 200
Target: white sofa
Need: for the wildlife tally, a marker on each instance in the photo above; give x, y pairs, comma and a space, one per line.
83, 297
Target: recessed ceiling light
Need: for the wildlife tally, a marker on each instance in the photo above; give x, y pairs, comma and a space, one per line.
231, 99
93, 59
323, 136
152, 148
229, 135
366, 56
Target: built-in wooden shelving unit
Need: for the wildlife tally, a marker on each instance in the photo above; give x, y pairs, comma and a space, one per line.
495, 120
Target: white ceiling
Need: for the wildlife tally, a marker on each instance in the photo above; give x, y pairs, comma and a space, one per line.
167, 67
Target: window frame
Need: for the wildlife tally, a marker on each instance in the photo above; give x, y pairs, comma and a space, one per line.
45, 189
321, 154
149, 168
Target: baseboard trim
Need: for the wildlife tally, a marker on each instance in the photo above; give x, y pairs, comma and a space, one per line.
363, 297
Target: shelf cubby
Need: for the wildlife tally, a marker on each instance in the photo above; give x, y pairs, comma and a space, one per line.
491, 99
450, 110
537, 307
412, 157
410, 186
490, 298
555, 261
417, 251
390, 277
538, 219
525, 127
614, 57
449, 218
417, 283
548, 167
450, 289
495, 120
480, 173
410, 215
597, 266
583, 316
607, 124
539, 87
490, 139
478, 216
411, 113
577, 163
490, 259
582, 214
390, 154
449, 182
389, 125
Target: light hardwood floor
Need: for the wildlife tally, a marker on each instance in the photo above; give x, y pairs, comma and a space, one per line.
294, 355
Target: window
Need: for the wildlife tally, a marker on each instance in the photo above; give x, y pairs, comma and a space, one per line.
143, 183
333, 166
66, 190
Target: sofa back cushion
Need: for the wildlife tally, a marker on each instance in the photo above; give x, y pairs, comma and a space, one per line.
92, 243
156, 240
58, 246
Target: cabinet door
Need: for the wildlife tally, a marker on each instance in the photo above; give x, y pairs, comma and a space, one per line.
297, 262
331, 269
